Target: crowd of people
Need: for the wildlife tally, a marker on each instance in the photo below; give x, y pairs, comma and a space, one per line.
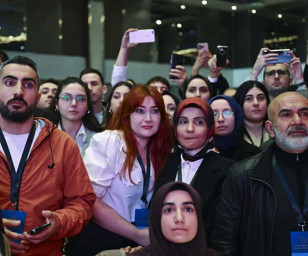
135, 169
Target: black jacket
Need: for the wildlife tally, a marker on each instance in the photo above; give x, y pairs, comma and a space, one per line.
208, 182
246, 210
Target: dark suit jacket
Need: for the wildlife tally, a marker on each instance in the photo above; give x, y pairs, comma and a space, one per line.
208, 181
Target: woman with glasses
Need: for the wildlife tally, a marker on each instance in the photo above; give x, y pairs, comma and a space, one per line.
253, 98
72, 111
228, 136
196, 160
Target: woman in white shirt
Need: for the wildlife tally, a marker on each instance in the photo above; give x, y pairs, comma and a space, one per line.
73, 113
123, 164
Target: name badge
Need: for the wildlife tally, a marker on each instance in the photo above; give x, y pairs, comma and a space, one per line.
141, 218
15, 215
299, 243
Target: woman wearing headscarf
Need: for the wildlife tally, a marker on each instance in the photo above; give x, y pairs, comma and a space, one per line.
196, 161
175, 223
198, 86
228, 136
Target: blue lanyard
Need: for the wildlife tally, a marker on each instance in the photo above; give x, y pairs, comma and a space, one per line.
146, 176
300, 219
17, 176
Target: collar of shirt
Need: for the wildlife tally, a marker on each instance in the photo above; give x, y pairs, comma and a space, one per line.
189, 169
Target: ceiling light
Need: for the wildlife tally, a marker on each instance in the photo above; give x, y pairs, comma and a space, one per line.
253, 11
183, 6
279, 16
179, 25
233, 7
204, 2
158, 22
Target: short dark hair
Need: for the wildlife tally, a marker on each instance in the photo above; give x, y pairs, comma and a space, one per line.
93, 70
159, 79
21, 60
52, 81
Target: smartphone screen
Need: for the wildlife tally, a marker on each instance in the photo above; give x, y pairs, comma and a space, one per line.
284, 56
222, 55
175, 60
142, 36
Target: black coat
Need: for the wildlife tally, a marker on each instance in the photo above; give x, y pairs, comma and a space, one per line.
245, 212
208, 181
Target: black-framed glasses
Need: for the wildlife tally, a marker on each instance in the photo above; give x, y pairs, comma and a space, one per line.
226, 114
272, 73
68, 98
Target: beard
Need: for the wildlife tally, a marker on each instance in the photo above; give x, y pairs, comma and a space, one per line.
16, 116
299, 143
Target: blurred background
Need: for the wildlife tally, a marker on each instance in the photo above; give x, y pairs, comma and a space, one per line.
64, 36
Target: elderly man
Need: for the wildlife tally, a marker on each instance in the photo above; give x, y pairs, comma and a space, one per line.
43, 178
263, 204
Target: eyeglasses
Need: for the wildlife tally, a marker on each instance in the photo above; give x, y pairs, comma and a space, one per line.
68, 98
226, 114
272, 73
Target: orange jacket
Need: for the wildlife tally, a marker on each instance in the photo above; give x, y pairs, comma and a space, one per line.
65, 189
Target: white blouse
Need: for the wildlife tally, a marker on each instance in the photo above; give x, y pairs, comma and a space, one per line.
104, 159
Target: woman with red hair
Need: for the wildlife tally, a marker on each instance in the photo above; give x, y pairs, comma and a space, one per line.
123, 163
196, 161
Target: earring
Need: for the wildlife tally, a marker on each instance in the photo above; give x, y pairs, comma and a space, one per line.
88, 112
110, 111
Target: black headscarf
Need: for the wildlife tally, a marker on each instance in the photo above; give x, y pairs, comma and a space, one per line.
159, 245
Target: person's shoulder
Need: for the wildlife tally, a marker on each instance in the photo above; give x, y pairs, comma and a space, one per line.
246, 166
113, 135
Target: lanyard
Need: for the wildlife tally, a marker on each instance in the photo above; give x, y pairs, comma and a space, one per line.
180, 174
146, 176
299, 216
16, 176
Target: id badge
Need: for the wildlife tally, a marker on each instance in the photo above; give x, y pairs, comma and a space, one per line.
299, 243
15, 215
141, 218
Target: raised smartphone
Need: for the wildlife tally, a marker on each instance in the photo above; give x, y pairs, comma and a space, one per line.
175, 60
284, 56
221, 55
142, 36
203, 46
38, 229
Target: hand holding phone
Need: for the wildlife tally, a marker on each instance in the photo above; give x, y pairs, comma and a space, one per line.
175, 60
222, 55
38, 229
284, 56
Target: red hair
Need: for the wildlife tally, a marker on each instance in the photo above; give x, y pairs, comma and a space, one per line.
160, 143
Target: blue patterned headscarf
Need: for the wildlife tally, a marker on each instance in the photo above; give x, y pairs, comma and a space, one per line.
233, 139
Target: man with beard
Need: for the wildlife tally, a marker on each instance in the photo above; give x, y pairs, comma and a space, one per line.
39, 181
263, 206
